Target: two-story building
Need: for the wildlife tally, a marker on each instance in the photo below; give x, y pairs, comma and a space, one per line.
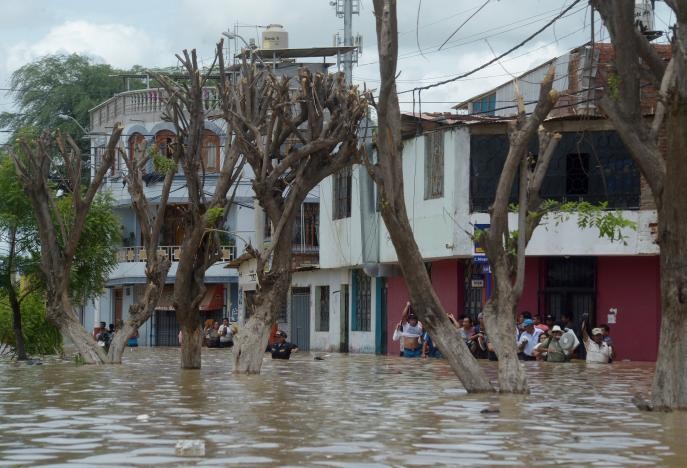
451, 165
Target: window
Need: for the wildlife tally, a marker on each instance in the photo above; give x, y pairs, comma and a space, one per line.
164, 141
135, 140
434, 165
210, 152
485, 106
361, 301
305, 229
322, 308
577, 174
342, 194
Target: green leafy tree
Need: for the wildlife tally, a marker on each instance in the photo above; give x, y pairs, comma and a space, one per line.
18, 255
41, 337
59, 85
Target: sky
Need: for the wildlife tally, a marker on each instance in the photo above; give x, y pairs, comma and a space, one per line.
150, 32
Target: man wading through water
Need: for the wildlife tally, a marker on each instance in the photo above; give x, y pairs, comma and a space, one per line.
409, 330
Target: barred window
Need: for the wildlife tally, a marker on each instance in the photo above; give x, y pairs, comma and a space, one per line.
362, 299
434, 165
342, 194
322, 308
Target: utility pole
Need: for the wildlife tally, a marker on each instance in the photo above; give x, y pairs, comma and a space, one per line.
346, 9
348, 40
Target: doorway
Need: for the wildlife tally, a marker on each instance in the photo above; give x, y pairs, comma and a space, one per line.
300, 318
569, 286
345, 319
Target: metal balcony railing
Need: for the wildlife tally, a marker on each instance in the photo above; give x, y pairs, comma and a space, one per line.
138, 253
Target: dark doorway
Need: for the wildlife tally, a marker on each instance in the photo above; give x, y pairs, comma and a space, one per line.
345, 319
300, 318
166, 328
569, 286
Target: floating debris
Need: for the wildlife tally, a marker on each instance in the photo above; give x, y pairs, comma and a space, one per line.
190, 448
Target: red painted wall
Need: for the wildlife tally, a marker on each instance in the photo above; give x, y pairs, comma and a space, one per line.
447, 279
632, 285
530, 295
448, 285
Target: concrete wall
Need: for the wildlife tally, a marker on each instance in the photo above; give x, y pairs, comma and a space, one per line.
334, 278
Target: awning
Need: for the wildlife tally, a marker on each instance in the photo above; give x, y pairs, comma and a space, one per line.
213, 299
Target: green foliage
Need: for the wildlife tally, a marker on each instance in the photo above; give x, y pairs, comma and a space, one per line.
96, 253
162, 163
40, 337
59, 84
213, 215
614, 85
610, 224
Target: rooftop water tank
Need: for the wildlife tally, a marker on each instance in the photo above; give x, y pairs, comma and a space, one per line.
275, 37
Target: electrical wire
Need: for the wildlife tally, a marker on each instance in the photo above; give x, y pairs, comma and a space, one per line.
517, 46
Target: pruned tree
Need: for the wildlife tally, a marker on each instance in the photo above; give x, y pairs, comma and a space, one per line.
151, 219
387, 173
204, 212
665, 171
506, 254
292, 137
35, 159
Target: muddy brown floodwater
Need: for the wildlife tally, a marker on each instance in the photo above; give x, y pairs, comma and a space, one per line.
344, 410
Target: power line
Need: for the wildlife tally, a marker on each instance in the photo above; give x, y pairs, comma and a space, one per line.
463, 24
494, 60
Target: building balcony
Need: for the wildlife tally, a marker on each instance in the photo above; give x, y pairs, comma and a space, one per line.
138, 253
137, 104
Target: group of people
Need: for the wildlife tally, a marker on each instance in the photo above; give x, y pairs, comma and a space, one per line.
548, 341
219, 336
103, 335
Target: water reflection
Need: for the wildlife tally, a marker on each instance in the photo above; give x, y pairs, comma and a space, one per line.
343, 410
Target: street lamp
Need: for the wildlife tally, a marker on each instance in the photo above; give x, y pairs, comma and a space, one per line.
69, 117
230, 35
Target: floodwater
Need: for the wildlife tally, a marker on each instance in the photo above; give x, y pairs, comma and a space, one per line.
343, 410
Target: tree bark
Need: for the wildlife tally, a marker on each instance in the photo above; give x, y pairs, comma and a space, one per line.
665, 173
425, 302
388, 175
19, 347
60, 312
669, 390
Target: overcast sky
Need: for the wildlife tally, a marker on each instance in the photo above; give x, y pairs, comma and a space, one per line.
150, 32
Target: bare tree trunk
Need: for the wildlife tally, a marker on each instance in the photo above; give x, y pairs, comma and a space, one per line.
271, 293
425, 302
669, 389
388, 175
157, 266
192, 342
499, 316
19, 346
664, 172
61, 314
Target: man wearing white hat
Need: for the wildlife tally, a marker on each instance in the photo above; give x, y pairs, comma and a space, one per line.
597, 349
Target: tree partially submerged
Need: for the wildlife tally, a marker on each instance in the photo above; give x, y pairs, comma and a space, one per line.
387, 173
37, 160
664, 171
151, 219
506, 257
205, 213
292, 139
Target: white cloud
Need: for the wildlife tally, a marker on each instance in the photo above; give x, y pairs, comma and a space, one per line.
119, 45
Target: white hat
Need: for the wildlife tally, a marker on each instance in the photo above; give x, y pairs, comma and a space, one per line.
597, 331
556, 328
